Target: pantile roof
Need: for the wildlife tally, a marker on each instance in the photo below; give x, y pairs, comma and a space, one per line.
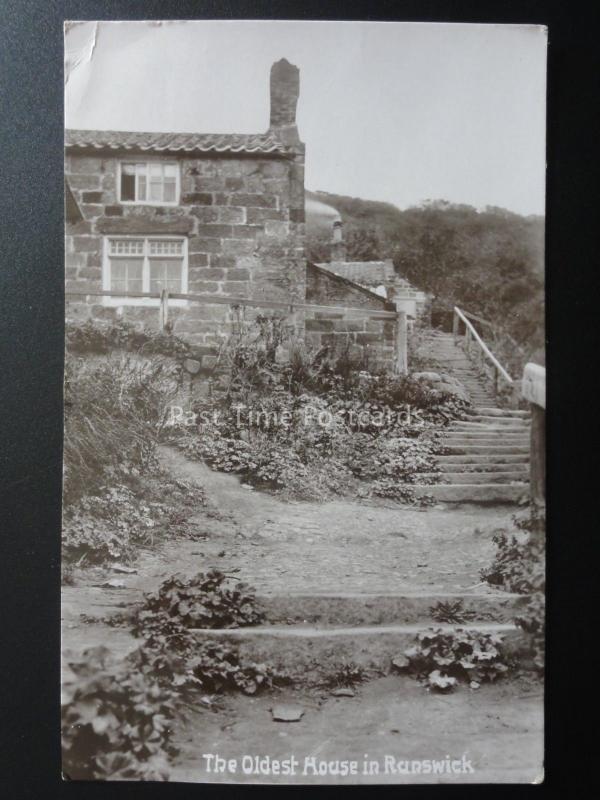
175, 142
365, 272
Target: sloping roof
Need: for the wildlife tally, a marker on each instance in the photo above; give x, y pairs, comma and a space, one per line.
343, 281
364, 272
175, 142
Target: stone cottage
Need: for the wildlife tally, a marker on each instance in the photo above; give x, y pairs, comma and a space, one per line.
205, 214
379, 277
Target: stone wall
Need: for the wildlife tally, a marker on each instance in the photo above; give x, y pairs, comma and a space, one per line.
337, 329
243, 217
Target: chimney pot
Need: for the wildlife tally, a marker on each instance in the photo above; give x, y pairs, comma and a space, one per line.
338, 248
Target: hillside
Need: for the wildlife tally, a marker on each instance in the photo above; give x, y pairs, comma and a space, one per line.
489, 262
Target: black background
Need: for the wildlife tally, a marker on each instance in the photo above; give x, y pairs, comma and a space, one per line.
31, 356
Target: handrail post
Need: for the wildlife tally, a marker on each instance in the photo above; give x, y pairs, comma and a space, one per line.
534, 390
400, 343
516, 395
163, 313
455, 325
468, 341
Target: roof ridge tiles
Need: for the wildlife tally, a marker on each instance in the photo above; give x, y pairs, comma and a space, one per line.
142, 141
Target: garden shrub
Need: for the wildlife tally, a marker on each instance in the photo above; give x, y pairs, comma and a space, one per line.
519, 562
113, 524
519, 566
117, 719
531, 619
103, 337
116, 724
317, 424
211, 600
443, 658
208, 667
114, 413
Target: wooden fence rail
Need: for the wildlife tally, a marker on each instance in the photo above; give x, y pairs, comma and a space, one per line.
398, 317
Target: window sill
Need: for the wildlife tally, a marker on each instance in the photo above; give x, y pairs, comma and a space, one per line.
144, 302
158, 204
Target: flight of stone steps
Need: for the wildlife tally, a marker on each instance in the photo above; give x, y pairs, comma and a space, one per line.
485, 457
310, 635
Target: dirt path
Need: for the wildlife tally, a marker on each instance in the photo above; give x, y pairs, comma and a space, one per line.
345, 545
498, 728
340, 546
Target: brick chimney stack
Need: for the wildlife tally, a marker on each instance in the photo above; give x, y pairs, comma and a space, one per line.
338, 248
285, 90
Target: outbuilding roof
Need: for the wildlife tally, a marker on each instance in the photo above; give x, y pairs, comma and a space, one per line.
365, 272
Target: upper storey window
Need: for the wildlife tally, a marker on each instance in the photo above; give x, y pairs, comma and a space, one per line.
150, 182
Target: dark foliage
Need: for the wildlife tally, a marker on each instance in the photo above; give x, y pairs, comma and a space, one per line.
489, 262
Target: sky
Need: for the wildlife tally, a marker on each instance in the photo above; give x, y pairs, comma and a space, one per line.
399, 112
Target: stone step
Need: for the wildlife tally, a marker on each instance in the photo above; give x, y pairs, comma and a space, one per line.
474, 492
503, 412
463, 425
488, 449
451, 445
454, 467
486, 438
470, 458
383, 609
503, 421
498, 434
504, 476
312, 650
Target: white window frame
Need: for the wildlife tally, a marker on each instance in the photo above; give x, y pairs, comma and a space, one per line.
148, 162
143, 301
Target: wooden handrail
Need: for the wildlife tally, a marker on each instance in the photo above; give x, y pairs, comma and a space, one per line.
237, 301
480, 320
484, 348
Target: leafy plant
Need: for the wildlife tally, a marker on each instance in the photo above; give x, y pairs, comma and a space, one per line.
390, 489
532, 619
345, 675
519, 562
116, 724
451, 612
211, 600
443, 658
112, 525
190, 666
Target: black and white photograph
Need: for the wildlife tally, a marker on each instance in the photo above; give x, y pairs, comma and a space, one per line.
304, 477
